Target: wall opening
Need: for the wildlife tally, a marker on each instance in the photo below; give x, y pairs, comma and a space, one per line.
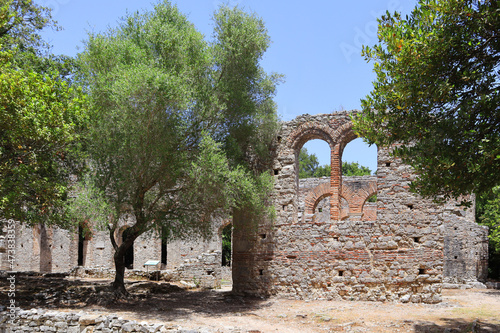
129, 254
227, 245
359, 159
163, 257
359, 187
83, 237
314, 159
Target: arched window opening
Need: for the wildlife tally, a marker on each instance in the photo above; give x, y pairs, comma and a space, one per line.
322, 211
372, 198
314, 159
344, 208
370, 208
359, 159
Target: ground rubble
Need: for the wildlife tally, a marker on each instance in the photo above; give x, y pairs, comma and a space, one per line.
166, 307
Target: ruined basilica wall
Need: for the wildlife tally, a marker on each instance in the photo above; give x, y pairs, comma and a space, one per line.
465, 247
43, 249
97, 250
27, 249
182, 251
54, 250
397, 256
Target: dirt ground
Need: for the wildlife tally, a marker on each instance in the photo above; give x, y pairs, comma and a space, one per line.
473, 310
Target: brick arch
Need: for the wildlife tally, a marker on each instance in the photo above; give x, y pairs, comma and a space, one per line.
224, 223
310, 131
371, 190
315, 196
337, 132
357, 192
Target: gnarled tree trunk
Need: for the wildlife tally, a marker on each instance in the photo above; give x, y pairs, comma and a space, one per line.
119, 282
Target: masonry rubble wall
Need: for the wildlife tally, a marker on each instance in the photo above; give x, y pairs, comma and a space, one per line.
303, 253
53, 250
466, 249
38, 320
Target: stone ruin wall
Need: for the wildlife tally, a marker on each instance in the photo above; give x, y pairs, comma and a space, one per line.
326, 242
399, 255
44, 249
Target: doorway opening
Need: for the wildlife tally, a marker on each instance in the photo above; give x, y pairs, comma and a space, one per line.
129, 254
164, 248
227, 245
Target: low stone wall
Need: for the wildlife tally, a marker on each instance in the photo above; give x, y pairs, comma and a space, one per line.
38, 320
203, 271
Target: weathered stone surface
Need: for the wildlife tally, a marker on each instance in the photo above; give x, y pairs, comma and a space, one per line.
40, 321
327, 242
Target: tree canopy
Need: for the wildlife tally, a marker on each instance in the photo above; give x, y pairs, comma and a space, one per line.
309, 167
41, 116
436, 97
180, 126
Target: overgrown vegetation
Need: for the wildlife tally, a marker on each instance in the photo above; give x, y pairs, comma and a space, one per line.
437, 94
180, 126
41, 118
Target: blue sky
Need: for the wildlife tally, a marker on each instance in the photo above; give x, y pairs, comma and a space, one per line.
315, 44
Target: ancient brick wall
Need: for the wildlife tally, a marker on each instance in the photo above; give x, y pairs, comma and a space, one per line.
395, 252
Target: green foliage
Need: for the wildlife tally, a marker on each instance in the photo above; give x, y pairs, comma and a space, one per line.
488, 214
40, 120
244, 92
22, 20
354, 169
308, 163
309, 167
174, 118
436, 95
87, 203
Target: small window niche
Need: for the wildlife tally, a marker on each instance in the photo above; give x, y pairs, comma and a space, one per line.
341, 272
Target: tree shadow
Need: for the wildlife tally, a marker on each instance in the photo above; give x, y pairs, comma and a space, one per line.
457, 326
147, 300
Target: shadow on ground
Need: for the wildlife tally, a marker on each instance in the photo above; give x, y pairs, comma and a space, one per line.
147, 299
457, 326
